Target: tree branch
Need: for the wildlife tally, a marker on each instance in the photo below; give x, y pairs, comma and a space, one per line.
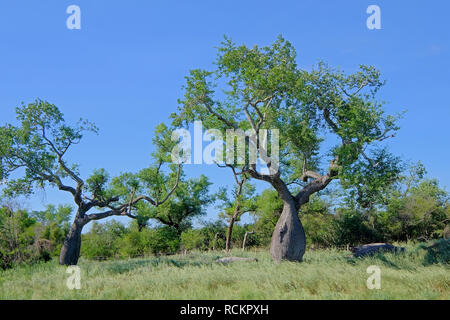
158, 203
106, 214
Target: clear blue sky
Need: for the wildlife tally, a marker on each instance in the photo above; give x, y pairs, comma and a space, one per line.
124, 69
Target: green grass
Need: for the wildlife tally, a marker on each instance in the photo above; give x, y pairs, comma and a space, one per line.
324, 274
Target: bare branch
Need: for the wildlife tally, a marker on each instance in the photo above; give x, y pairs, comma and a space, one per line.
310, 174
173, 188
218, 116
106, 214
59, 154
318, 184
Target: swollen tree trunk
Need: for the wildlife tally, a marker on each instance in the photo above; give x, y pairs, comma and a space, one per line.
70, 251
288, 239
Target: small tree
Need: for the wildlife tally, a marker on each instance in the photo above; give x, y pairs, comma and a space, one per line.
16, 236
193, 239
169, 199
232, 210
39, 146
416, 207
186, 202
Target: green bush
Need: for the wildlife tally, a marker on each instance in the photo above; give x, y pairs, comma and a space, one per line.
320, 230
353, 229
22, 240
135, 243
193, 239
102, 241
164, 240
438, 252
214, 234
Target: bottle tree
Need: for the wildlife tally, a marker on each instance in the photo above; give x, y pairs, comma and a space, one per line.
330, 124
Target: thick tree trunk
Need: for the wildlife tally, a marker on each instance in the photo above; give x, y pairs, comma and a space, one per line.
70, 251
288, 239
229, 233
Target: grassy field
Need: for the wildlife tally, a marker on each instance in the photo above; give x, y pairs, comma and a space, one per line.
324, 274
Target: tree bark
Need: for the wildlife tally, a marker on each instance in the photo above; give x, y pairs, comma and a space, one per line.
70, 251
288, 239
245, 239
229, 233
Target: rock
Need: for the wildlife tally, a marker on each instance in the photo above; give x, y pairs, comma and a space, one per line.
233, 259
372, 248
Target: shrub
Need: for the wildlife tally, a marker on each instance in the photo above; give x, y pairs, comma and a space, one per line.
102, 241
438, 252
193, 239
352, 228
214, 233
164, 240
135, 243
320, 230
20, 239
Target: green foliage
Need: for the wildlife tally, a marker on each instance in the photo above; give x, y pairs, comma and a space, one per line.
238, 235
188, 201
353, 228
97, 185
135, 243
59, 215
156, 181
420, 212
319, 223
232, 209
170, 198
369, 182
24, 240
323, 116
437, 252
411, 208
263, 88
193, 239
38, 145
414, 208
214, 234
102, 241
268, 209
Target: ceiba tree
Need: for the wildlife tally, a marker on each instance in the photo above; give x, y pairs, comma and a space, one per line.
329, 124
36, 151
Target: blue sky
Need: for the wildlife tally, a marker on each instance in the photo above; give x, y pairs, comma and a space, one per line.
124, 69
